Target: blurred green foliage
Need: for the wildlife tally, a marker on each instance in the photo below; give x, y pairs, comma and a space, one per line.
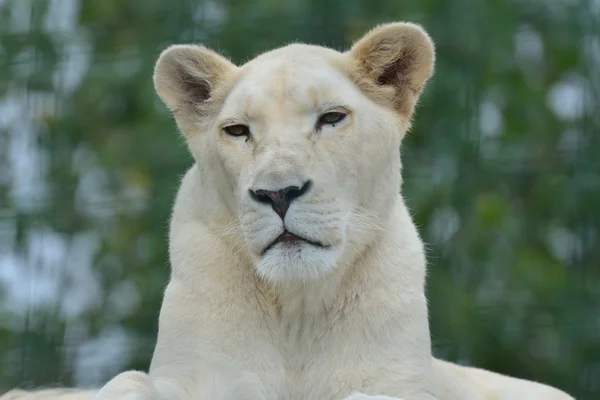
502, 173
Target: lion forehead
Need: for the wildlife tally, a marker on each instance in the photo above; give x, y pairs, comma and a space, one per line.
303, 81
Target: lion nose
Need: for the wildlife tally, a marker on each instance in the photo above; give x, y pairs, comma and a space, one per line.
281, 199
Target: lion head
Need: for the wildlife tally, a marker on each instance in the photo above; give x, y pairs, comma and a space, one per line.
303, 141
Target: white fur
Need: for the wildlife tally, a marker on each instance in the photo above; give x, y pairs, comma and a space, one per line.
362, 396
299, 322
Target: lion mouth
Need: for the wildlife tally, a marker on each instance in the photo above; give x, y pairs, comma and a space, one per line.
290, 238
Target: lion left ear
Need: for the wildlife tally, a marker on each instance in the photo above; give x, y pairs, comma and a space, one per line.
185, 78
399, 57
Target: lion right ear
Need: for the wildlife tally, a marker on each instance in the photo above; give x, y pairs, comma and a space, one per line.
185, 77
398, 59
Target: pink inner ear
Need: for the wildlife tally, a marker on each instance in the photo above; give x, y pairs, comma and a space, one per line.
397, 72
197, 90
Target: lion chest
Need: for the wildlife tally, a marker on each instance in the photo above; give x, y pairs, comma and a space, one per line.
312, 369
315, 360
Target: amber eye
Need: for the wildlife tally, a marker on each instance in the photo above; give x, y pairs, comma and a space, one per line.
331, 118
237, 130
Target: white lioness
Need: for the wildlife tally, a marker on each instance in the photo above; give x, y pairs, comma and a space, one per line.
297, 272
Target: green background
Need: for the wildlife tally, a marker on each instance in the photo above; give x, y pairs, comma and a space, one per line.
502, 175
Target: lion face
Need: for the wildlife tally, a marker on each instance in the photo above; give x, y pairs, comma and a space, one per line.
304, 140
303, 148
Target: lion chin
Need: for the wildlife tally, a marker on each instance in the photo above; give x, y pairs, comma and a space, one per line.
297, 272
291, 259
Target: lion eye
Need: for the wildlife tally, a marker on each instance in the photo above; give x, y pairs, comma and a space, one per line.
237, 130
331, 118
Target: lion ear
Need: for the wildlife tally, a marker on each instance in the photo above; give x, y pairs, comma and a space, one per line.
396, 56
185, 77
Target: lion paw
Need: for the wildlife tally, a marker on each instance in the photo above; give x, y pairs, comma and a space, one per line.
130, 385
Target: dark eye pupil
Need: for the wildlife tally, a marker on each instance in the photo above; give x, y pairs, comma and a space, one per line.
237, 130
332, 118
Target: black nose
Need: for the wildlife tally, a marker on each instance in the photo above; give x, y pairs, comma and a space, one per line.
280, 200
